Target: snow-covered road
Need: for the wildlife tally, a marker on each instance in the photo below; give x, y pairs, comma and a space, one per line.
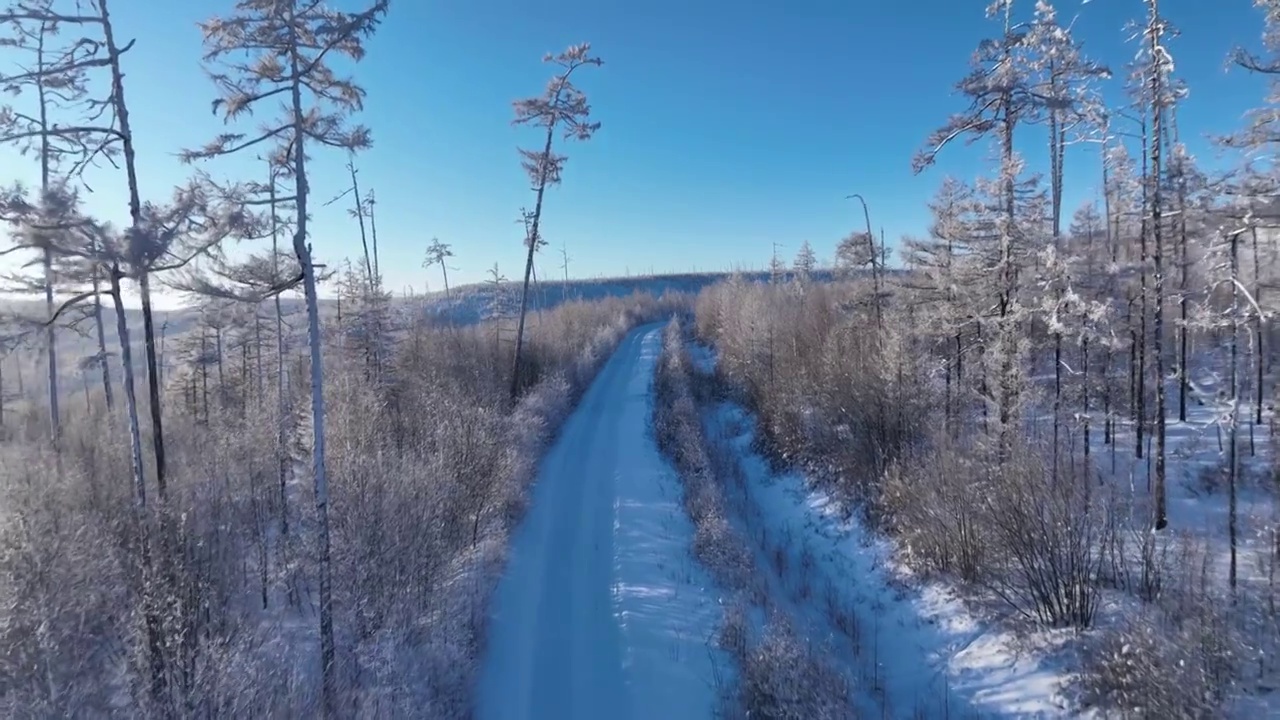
602, 612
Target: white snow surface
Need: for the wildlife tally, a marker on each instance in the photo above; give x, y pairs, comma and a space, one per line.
602, 611
919, 652
922, 652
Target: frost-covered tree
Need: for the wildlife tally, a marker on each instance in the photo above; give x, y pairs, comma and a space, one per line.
777, 266
1075, 308
290, 46
359, 212
102, 130
1071, 108
54, 117
854, 251
561, 107
1065, 81
1122, 196
1222, 307
1261, 135
858, 250
1157, 94
497, 309
806, 261
1190, 187
940, 281
1001, 88
251, 280
1092, 283
1262, 130
438, 253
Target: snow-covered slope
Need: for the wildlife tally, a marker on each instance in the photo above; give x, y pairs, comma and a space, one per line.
602, 612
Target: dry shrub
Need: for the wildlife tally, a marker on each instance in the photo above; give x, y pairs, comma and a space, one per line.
1035, 538
429, 462
1176, 657
778, 675
782, 678
63, 584
680, 436
930, 501
1049, 531
831, 394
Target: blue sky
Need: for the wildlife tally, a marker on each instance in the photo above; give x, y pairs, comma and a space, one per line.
727, 126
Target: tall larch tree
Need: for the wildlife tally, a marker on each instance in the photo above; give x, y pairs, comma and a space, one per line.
438, 253
561, 107
280, 50
1158, 64
806, 261
1001, 98
939, 284
1072, 110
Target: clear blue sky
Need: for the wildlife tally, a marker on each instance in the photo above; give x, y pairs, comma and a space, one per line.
727, 126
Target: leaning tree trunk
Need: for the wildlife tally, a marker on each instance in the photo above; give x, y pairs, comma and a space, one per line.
105, 366
364, 238
373, 234
151, 613
532, 241
158, 685
135, 215
153, 383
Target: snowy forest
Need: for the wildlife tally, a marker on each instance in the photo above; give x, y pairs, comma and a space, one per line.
1021, 465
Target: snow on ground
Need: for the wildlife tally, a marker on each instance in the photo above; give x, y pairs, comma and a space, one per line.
602, 612
1195, 449
920, 651
1198, 510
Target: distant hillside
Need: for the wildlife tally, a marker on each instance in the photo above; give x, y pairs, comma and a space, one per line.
468, 304
22, 366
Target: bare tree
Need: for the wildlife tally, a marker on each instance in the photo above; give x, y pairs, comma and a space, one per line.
871, 258
564, 107
438, 253
360, 209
